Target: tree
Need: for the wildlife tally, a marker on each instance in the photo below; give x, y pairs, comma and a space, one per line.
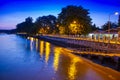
29, 24
75, 20
26, 26
45, 24
94, 27
112, 25
119, 21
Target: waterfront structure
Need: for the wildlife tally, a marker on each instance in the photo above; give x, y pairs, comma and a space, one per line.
113, 35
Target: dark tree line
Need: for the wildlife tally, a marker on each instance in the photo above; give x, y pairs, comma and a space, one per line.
119, 21
94, 27
111, 25
71, 20
44, 24
25, 27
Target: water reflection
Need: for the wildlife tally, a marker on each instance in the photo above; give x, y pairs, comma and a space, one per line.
72, 69
42, 61
65, 65
47, 51
36, 40
41, 48
56, 58
31, 42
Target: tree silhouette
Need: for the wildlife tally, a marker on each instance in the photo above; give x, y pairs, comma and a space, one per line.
26, 26
106, 25
45, 24
94, 27
119, 21
71, 20
75, 20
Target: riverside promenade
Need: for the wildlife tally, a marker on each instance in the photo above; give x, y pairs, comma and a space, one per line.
105, 51
104, 46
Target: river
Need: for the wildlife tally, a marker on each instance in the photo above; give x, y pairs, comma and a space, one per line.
33, 59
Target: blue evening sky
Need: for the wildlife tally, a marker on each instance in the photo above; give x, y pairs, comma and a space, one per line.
13, 12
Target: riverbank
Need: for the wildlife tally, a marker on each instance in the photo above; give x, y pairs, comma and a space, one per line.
99, 56
107, 59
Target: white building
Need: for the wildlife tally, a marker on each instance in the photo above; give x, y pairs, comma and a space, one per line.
112, 34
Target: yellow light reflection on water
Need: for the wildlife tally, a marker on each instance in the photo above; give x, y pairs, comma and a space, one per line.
31, 43
47, 52
72, 69
41, 48
56, 58
36, 43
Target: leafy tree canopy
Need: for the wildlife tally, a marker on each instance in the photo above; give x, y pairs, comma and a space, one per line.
25, 26
46, 24
75, 20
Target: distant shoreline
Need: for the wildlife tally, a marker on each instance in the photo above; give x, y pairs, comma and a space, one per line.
8, 31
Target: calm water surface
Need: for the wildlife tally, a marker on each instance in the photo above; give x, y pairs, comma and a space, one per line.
33, 59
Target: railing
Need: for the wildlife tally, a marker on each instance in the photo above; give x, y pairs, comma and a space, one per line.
77, 37
103, 45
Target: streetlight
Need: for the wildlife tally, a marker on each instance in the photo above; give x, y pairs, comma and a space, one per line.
116, 13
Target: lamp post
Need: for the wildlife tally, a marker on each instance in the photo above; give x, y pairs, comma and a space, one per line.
116, 13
